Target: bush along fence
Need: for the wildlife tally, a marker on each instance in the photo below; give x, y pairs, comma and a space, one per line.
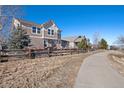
16, 54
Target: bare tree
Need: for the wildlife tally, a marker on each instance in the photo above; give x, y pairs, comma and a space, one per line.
119, 43
121, 40
7, 13
0, 10
11, 10
96, 39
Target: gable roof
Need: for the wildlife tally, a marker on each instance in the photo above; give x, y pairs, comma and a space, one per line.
30, 24
48, 24
73, 38
70, 38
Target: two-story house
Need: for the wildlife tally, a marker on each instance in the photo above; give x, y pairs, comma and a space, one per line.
41, 35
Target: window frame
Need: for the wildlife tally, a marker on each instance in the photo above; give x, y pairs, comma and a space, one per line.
52, 32
38, 30
35, 30
49, 32
18, 25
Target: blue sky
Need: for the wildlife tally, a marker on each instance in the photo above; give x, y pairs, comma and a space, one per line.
81, 20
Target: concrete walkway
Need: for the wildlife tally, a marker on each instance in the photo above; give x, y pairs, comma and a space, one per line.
96, 72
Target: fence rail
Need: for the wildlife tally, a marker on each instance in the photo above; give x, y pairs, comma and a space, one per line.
17, 54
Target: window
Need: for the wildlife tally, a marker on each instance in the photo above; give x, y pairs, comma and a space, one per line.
34, 30
18, 25
38, 30
45, 43
52, 32
48, 31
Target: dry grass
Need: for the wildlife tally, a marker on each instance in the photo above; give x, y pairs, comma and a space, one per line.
117, 62
57, 72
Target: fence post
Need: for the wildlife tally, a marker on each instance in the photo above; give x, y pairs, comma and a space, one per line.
29, 53
78, 51
71, 51
48, 50
58, 52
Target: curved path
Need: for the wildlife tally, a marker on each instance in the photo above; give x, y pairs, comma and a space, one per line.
96, 72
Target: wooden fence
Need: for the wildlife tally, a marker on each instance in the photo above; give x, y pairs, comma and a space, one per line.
16, 54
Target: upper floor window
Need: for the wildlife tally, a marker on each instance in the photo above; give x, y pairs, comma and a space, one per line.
33, 29
18, 25
48, 31
38, 30
52, 32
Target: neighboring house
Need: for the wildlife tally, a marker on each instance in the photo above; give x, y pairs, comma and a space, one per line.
64, 44
41, 35
121, 47
117, 47
95, 46
71, 42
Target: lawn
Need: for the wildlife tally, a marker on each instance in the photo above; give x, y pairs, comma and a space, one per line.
58, 71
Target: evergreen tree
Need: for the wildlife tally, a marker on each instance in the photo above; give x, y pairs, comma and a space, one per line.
18, 39
83, 44
103, 44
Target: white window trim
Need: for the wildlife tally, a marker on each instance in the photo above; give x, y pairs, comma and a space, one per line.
32, 30
48, 31
35, 36
51, 32
36, 31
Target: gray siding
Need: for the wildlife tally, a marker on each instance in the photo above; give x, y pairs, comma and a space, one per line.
37, 42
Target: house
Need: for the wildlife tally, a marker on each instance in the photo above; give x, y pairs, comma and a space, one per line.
72, 41
41, 35
117, 47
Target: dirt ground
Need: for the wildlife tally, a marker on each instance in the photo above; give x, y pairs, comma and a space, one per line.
117, 62
50, 72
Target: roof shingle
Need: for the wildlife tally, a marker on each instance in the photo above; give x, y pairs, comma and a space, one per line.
30, 24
